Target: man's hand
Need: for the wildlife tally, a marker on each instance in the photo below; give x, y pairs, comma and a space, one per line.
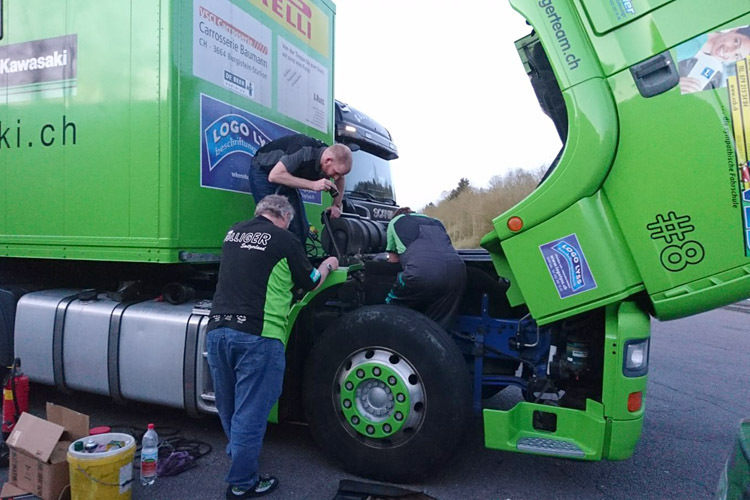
322, 185
331, 263
325, 268
334, 211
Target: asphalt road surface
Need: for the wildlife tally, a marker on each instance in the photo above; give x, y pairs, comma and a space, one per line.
697, 393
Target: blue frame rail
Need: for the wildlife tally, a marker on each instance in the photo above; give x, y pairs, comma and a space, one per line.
520, 340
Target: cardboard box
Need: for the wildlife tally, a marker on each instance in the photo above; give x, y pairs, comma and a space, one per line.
38, 450
10, 492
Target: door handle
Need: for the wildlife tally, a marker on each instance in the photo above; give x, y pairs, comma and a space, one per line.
656, 75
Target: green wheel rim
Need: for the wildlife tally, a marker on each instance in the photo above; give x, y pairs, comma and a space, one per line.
380, 396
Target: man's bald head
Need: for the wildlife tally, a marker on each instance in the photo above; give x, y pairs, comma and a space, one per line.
336, 161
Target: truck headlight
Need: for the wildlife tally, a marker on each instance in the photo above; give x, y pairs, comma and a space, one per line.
635, 363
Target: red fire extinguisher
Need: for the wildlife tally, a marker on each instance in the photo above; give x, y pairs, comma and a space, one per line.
15, 396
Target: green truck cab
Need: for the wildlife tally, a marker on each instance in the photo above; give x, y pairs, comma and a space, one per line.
124, 148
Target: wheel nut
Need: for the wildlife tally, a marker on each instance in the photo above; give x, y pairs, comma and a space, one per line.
347, 403
399, 416
376, 371
370, 429
361, 373
386, 428
355, 420
349, 386
400, 397
392, 380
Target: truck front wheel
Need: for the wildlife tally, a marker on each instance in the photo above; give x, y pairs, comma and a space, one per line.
387, 393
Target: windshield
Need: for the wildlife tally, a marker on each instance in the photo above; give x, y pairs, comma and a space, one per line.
370, 175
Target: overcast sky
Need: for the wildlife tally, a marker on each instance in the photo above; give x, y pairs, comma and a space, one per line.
445, 79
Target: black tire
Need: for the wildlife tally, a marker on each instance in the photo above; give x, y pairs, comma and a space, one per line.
410, 346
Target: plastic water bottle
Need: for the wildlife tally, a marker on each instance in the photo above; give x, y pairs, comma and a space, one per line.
149, 456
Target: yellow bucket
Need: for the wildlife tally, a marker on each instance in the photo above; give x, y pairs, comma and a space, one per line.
102, 476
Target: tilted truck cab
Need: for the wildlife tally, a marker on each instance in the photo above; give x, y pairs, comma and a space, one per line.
125, 161
639, 177
645, 211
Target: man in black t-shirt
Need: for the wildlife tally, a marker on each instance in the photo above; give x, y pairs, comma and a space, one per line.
295, 162
261, 263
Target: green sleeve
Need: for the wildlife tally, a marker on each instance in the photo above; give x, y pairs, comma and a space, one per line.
393, 242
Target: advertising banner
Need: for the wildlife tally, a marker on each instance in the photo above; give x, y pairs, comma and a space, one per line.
718, 60
230, 137
232, 49
279, 57
302, 87
40, 68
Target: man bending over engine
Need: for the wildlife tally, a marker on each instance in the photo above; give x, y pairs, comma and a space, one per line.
434, 275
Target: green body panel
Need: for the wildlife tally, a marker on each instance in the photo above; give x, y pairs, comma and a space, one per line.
604, 18
122, 179
592, 141
337, 277
621, 438
668, 216
601, 240
660, 29
623, 322
704, 294
503, 429
564, 39
695, 178
603, 430
96, 183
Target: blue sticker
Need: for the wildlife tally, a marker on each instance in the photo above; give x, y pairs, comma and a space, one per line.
314, 197
230, 137
567, 266
746, 195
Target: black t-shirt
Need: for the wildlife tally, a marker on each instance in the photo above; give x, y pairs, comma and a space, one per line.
260, 265
299, 153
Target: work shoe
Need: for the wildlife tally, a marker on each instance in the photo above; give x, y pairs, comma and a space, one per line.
264, 486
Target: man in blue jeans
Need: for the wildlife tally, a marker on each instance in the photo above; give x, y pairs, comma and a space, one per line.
295, 162
261, 263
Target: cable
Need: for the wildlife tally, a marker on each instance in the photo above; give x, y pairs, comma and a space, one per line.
197, 449
313, 244
327, 225
497, 351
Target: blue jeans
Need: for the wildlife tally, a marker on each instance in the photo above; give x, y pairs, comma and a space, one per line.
261, 187
247, 371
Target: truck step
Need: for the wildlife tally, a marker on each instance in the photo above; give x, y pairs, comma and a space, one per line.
208, 396
550, 447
